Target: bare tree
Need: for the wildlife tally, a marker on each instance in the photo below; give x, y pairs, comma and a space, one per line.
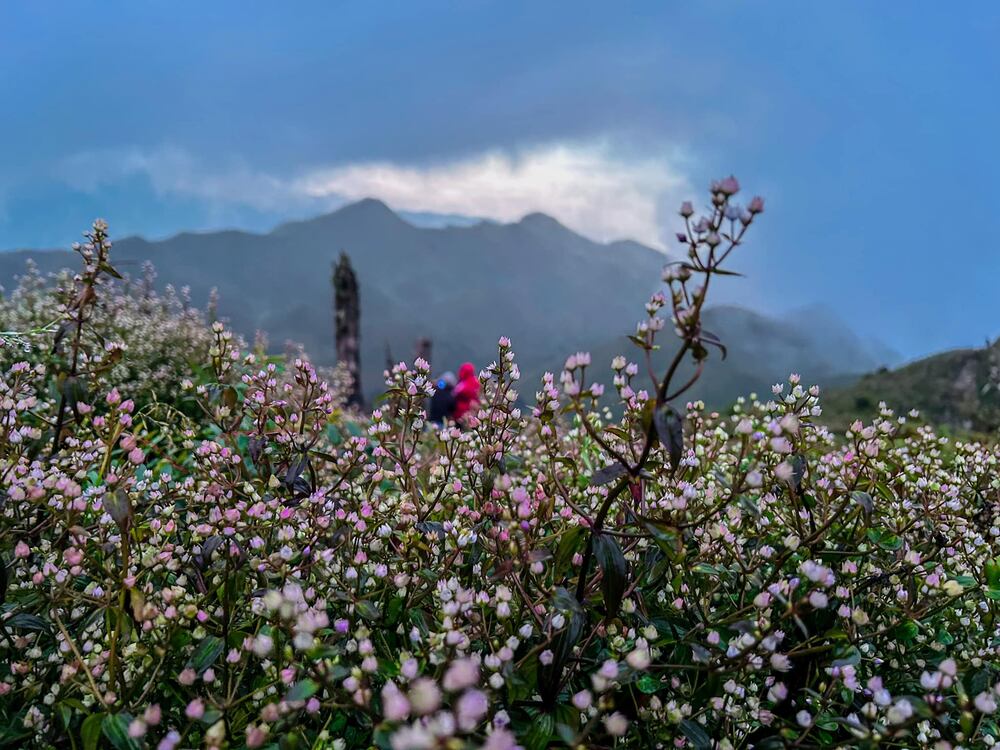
347, 324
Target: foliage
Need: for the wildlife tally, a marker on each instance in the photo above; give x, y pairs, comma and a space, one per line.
957, 390
275, 572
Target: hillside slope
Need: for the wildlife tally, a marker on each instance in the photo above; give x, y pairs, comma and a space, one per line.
956, 389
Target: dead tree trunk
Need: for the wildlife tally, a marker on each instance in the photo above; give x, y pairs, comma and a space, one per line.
347, 324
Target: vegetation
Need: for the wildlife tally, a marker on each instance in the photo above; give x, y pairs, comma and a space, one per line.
957, 390
207, 550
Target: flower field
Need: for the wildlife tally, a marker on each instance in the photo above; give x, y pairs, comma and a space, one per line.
202, 547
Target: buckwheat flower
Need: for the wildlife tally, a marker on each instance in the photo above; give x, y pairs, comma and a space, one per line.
262, 645
616, 724
900, 712
638, 659
152, 715
395, 706
500, 739
187, 676
780, 662
952, 587
169, 742
195, 709
756, 205
803, 718
818, 600
256, 736
778, 692
930, 681
22, 550
461, 674
985, 703
470, 709
137, 728
545, 657
582, 700
424, 696
409, 668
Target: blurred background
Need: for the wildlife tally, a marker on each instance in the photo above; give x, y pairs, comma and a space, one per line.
515, 168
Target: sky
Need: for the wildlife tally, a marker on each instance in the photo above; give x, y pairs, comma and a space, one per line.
871, 129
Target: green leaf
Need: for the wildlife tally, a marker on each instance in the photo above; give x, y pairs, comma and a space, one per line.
110, 270
612, 561
991, 572
367, 610
539, 732
569, 543
906, 631
697, 734
206, 654
670, 431
302, 690
115, 728
90, 731
647, 684
864, 500
119, 507
798, 463
26, 621
607, 474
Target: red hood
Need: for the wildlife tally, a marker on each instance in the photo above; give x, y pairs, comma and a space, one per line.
466, 372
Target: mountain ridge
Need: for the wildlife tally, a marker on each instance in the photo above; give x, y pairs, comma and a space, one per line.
548, 288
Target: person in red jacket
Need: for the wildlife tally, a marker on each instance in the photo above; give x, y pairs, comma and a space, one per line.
466, 393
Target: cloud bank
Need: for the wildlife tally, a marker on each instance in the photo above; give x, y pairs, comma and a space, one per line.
593, 188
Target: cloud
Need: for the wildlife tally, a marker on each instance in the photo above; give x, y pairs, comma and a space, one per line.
588, 187
173, 171
592, 187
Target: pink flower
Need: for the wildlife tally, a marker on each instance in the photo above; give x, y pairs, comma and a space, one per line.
136, 728
395, 706
616, 724
195, 709
424, 696
255, 736
471, 707
500, 739
22, 550
461, 674
582, 700
152, 715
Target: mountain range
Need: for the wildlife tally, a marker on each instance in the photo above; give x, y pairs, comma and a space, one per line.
463, 285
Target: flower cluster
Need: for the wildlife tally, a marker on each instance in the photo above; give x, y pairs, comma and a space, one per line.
272, 571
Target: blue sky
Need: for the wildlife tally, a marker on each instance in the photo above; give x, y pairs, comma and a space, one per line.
871, 129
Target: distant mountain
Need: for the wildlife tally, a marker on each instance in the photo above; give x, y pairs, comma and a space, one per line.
551, 290
761, 351
956, 389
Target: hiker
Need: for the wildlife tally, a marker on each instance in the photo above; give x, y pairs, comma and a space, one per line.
466, 393
443, 401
